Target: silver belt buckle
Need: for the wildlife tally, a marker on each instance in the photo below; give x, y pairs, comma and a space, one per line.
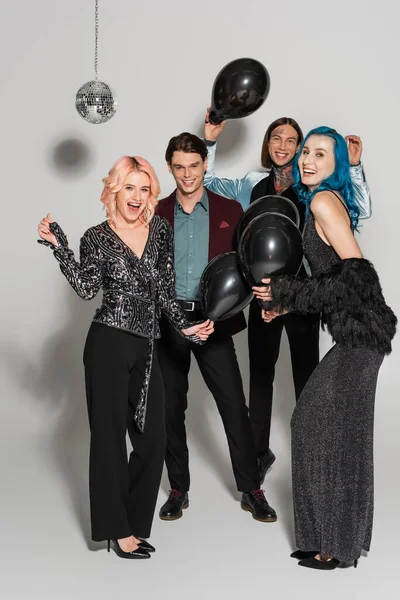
191, 309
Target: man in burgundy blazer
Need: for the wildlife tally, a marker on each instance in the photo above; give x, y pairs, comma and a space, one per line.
204, 226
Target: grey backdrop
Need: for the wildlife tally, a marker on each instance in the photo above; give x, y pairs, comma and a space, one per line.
330, 63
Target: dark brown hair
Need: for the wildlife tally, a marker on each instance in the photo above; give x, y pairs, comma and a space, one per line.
265, 157
185, 142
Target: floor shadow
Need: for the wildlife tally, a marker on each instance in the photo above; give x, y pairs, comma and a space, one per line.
55, 380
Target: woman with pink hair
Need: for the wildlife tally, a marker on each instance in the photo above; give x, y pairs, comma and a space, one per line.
129, 256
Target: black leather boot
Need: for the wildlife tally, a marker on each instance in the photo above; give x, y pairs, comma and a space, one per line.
256, 503
265, 461
172, 509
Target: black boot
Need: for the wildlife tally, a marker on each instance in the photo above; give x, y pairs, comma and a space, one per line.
172, 509
256, 503
265, 461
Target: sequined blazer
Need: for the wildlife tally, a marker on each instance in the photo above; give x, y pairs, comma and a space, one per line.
135, 290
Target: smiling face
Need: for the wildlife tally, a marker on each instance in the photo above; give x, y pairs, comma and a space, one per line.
133, 197
317, 160
188, 169
283, 144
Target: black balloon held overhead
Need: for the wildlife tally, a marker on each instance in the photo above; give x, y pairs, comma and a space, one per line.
270, 245
239, 89
269, 204
224, 290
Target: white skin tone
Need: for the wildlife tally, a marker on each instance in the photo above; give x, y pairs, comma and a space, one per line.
282, 145
285, 144
131, 201
316, 163
211, 131
188, 169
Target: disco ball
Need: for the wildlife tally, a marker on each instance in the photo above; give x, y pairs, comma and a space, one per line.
95, 102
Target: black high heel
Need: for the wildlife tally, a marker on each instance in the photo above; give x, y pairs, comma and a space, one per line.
323, 565
300, 554
146, 546
138, 553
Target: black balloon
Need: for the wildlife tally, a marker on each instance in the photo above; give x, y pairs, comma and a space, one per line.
269, 204
239, 89
271, 244
224, 290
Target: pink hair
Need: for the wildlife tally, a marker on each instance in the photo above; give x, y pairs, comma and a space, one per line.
114, 181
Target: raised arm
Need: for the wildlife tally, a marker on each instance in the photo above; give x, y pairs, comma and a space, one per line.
235, 189
360, 184
84, 276
229, 188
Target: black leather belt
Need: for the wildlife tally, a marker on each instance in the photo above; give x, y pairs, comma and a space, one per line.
189, 306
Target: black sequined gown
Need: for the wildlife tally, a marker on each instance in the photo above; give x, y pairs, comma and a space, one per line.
332, 440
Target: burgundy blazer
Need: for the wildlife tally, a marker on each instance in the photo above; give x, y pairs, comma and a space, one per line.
224, 218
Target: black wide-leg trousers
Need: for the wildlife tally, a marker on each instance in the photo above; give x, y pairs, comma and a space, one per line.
264, 341
219, 367
123, 492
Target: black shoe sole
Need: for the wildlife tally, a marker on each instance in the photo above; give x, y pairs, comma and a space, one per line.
248, 508
132, 556
175, 517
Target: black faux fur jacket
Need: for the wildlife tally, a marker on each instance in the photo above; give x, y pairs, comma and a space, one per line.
350, 300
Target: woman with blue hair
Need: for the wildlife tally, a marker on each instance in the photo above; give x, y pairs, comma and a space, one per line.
281, 142
332, 424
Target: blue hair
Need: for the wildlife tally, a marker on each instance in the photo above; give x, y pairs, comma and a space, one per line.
340, 179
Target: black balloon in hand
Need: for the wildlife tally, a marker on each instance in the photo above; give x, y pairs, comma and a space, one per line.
270, 245
268, 204
240, 88
224, 290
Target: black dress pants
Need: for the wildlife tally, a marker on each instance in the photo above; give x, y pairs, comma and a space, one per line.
123, 493
219, 367
264, 341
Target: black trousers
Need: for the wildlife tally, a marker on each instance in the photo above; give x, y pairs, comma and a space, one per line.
123, 493
264, 341
218, 365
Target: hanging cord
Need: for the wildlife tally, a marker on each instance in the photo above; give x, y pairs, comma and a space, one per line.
96, 36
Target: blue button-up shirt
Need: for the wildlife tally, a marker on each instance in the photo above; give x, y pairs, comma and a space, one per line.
191, 232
